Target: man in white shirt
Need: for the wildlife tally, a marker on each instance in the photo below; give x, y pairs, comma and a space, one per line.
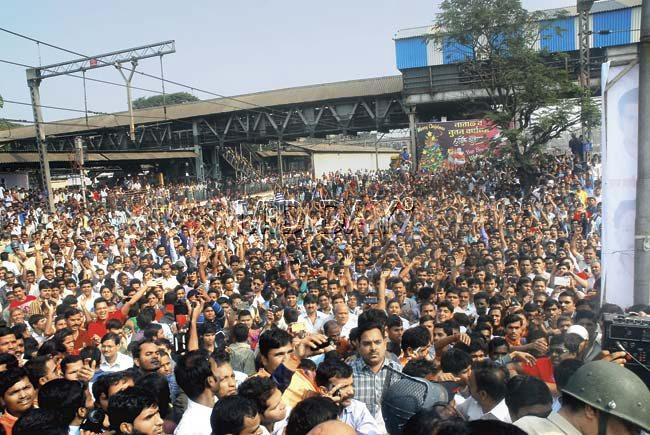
9, 265
265, 393
313, 319
487, 386
204, 379
345, 320
168, 281
87, 297
334, 380
112, 359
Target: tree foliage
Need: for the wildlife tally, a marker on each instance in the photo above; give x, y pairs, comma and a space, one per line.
157, 100
528, 93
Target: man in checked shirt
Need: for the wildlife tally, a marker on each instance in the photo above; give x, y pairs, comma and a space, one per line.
372, 372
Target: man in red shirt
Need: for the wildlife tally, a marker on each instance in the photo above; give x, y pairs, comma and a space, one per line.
97, 328
74, 321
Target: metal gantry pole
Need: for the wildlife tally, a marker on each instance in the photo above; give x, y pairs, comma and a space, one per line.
162, 81
33, 81
79, 157
134, 64
642, 225
116, 58
583, 8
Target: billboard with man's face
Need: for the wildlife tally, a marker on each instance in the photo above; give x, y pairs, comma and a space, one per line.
620, 147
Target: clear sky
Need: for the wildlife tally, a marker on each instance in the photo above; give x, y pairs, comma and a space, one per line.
221, 46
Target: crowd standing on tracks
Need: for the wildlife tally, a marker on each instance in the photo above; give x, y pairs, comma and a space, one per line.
459, 302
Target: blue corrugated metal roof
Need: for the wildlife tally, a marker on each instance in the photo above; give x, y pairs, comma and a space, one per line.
613, 15
558, 35
411, 53
453, 52
618, 22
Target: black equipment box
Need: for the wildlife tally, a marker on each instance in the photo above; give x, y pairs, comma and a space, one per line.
633, 334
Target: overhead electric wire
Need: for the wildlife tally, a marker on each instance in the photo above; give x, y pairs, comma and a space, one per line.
106, 113
122, 85
37, 41
149, 90
20, 35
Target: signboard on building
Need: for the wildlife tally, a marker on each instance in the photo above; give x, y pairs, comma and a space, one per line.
451, 144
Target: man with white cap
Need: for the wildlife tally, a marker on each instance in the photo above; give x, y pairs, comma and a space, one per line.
576, 340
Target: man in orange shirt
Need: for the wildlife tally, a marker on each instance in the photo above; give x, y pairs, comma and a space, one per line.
16, 396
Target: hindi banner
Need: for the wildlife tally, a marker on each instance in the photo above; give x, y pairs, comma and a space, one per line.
451, 144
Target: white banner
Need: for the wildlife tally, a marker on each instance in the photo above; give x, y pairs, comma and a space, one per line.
620, 150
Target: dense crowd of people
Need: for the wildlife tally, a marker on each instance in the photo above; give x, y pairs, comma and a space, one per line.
459, 302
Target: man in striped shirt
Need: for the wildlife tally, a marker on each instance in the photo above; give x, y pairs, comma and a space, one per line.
373, 372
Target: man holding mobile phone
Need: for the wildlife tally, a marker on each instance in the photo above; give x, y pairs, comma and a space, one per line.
334, 380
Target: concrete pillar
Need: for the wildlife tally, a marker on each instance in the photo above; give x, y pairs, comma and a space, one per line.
214, 160
198, 160
413, 147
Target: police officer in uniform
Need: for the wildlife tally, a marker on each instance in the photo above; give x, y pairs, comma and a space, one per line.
601, 398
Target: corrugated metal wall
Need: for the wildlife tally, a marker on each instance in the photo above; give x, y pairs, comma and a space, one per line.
453, 52
617, 22
411, 53
636, 25
624, 25
434, 53
558, 35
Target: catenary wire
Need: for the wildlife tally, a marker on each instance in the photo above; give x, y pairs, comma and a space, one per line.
20, 35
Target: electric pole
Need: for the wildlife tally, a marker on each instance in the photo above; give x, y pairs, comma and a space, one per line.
33, 81
583, 8
127, 80
642, 225
79, 160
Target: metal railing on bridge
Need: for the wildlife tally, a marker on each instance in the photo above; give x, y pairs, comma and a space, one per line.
457, 77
